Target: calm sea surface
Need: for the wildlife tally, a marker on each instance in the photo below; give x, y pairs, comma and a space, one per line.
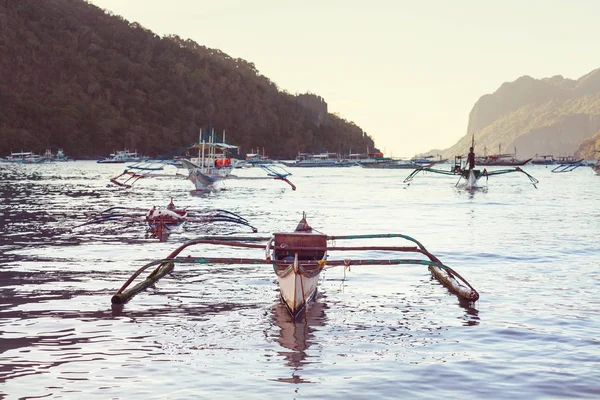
219, 332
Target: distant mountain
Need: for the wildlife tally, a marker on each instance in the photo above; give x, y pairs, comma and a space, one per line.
77, 77
535, 116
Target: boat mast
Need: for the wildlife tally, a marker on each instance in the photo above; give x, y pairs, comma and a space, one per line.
201, 155
211, 150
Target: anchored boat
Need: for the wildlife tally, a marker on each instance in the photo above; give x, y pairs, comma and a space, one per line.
162, 221
469, 177
298, 258
214, 164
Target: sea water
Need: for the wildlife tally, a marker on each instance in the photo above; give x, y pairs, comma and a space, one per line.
219, 331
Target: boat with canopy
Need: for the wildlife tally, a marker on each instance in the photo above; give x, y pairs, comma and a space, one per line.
298, 258
213, 164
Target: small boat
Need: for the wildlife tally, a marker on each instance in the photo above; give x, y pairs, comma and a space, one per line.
568, 164
543, 160
298, 258
307, 160
369, 158
24, 157
390, 164
120, 157
162, 221
427, 161
501, 160
402, 164
469, 178
255, 158
59, 156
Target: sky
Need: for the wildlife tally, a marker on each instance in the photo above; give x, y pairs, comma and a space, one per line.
407, 72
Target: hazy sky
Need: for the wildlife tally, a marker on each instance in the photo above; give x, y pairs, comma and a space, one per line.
406, 72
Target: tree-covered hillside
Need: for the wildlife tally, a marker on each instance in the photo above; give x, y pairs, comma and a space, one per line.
77, 77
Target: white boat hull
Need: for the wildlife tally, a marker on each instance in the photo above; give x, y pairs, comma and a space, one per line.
205, 178
297, 289
470, 181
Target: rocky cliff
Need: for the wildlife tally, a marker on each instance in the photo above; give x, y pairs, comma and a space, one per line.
535, 116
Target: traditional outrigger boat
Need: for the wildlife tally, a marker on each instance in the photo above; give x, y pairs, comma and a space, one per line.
162, 221
204, 177
469, 178
213, 164
501, 160
298, 258
567, 164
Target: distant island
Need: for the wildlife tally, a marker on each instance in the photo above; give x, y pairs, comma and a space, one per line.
554, 115
79, 78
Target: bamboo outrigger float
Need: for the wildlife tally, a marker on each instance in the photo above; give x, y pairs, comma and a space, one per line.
298, 258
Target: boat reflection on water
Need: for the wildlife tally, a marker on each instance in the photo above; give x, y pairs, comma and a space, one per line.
471, 317
296, 336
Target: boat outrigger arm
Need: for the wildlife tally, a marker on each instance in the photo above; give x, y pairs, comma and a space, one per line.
568, 166
297, 263
142, 169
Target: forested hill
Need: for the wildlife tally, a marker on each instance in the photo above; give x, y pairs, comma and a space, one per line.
77, 77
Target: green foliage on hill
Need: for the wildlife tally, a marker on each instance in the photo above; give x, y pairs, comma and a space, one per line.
76, 77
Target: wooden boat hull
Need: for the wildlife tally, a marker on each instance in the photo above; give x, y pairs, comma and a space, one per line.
390, 165
204, 180
297, 286
299, 258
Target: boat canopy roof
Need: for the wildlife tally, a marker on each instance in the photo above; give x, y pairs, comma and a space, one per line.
220, 146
